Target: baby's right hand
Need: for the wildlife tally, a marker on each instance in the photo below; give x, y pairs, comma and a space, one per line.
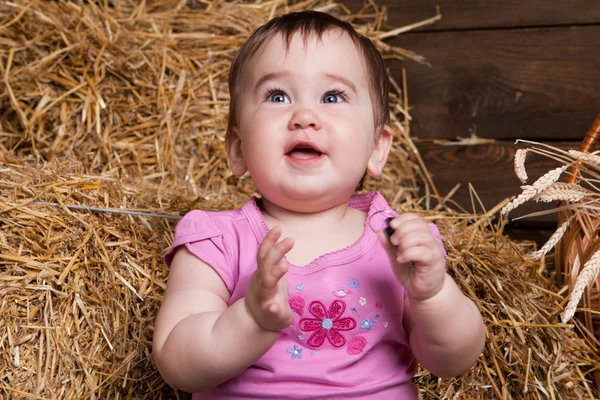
267, 297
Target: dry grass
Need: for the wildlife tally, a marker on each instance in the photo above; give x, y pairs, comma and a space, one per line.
122, 105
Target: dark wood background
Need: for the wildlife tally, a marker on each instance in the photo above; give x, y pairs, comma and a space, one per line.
504, 70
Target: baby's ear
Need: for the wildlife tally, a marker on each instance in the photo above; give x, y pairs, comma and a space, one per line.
383, 144
233, 144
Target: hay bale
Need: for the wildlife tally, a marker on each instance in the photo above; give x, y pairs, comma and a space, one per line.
121, 107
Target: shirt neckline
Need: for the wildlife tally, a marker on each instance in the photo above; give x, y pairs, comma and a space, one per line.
370, 202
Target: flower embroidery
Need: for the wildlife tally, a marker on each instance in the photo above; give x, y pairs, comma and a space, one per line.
296, 352
352, 283
366, 324
356, 345
297, 304
327, 324
362, 301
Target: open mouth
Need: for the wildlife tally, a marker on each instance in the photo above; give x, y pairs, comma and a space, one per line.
303, 151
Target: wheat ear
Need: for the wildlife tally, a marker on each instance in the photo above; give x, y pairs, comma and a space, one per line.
589, 158
556, 236
589, 272
520, 156
562, 191
530, 191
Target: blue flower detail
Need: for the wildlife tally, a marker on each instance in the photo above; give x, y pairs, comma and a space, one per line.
365, 324
314, 353
353, 283
354, 309
296, 352
300, 287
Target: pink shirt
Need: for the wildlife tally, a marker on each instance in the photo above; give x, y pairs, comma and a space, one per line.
347, 340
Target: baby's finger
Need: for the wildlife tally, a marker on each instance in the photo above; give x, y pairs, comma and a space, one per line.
408, 229
273, 267
417, 255
390, 249
403, 219
277, 252
269, 241
416, 239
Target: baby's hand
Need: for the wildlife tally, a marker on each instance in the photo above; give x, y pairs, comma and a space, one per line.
416, 256
267, 297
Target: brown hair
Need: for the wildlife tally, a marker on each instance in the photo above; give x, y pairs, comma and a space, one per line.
312, 23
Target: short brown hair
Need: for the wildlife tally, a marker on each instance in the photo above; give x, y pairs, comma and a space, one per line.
312, 23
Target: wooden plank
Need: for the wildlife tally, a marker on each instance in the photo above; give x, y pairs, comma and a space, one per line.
489, 169
485, 14
521, 230
507, 84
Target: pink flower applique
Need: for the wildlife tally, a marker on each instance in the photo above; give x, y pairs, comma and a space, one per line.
297, 304
327, 324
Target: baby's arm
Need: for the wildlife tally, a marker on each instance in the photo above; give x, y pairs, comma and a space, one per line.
445, 329
446, 332
198, 341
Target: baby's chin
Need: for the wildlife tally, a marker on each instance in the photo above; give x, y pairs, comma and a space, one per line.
308, 201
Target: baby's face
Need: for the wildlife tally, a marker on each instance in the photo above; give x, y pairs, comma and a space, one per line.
306, 125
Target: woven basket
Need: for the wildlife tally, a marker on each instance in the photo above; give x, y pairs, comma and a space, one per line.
577, 246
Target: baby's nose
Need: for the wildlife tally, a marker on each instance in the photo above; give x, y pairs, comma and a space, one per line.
304, 118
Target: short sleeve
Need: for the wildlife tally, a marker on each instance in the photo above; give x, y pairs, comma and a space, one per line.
203, 238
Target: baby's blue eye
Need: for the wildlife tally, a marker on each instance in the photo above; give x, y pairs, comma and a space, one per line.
333, 98
278, 97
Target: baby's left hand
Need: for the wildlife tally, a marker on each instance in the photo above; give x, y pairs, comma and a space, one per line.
416, 256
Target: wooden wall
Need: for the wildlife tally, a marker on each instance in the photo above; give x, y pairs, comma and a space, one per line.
505, 70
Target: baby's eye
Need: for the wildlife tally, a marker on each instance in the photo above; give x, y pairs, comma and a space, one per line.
278, 97
333, 97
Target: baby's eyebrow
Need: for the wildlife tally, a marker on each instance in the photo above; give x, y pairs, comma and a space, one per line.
281, 74
339, 78
269, 77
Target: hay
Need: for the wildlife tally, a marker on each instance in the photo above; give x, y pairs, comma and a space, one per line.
122, 106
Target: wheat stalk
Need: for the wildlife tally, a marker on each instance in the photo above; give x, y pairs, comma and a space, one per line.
589, 272
546, 189
520, 156
590, 158
562, 191
554, 239
530, 191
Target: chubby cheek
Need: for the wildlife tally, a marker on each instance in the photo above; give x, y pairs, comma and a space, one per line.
357, 141
256, 152
262, 151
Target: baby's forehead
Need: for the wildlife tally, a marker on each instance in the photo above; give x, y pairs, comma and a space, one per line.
274, 51
333, 35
